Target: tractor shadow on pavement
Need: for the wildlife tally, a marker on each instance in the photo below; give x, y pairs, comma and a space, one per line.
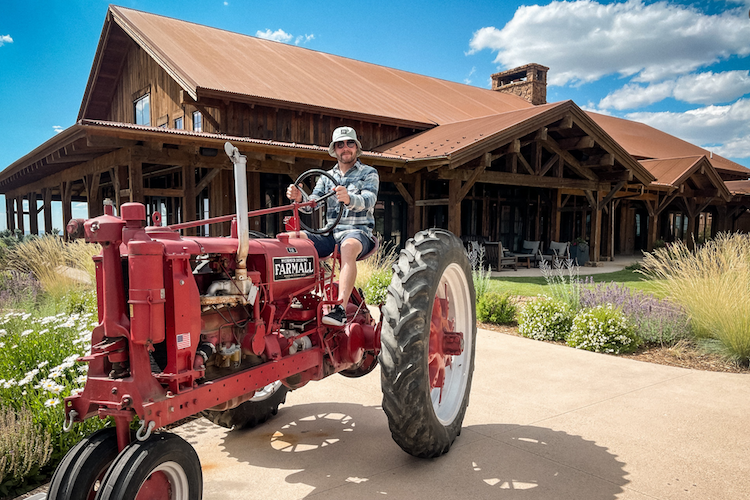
346, 451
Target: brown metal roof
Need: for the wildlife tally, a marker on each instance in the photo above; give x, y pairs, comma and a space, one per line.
452, 138
206, 60
674, 172
455, 141
71, 147
738, 187
645, 142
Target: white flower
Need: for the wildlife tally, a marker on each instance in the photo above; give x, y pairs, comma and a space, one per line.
81, 379
51, 402
76, 392
42, 364
26, 332
9, 383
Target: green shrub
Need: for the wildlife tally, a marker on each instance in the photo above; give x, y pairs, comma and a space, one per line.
496, 308
376, 289
545, 319
602, 329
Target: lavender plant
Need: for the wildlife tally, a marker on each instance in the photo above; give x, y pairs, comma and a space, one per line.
18, 290
656, 321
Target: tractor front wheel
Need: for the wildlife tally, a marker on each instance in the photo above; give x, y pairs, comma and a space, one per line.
79, 475
260, 408
163, 467
428, 340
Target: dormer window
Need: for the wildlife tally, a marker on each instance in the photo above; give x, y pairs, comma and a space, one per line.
142, 107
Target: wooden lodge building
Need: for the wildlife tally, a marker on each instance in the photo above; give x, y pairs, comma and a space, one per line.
497, 165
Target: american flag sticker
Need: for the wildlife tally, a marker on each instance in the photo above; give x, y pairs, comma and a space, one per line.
183, 341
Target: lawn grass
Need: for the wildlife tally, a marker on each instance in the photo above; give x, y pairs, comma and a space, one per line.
536, 285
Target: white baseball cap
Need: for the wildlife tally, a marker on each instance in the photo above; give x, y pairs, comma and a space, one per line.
344, 134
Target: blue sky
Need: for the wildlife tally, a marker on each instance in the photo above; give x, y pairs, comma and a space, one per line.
681, 67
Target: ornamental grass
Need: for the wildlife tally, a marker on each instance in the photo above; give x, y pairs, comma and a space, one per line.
712, 283
374, 273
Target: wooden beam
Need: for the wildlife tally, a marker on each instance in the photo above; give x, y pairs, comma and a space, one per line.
565, 124
570, 160
492, 177
584, 142
204, 182
547, 166
431, 203
525, 163
404, 193
611, 193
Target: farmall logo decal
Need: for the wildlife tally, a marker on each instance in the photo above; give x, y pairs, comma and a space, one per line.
286, 268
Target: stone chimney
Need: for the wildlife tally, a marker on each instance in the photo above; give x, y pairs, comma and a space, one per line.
528, 81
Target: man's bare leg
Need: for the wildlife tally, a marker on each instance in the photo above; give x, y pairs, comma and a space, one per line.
350, 249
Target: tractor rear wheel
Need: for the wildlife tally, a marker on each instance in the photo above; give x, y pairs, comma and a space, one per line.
264, 405
428, 339
163, 467
79, 475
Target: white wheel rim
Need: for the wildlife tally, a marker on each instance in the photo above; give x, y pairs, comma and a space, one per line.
177, 478
449, 404
267, 391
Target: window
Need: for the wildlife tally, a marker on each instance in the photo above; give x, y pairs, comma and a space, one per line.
178, 124
197, 121
143, 110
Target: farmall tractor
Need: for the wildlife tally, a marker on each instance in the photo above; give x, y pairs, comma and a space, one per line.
226, 326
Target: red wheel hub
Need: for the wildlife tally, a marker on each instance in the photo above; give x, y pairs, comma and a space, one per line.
155, 487
444, 342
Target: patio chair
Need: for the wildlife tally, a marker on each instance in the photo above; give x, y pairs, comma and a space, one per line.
529, 252
557, 250
505, 258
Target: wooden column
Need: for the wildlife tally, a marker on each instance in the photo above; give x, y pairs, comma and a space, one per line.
410, 208
188, 197
93, 200
555, 215
596, 230
255, 198
454, 207
66, 193
135, 179
10, 213
19, 212
47, 208
418, 211
33, 214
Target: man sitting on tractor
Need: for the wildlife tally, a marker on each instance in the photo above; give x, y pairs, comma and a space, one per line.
358, 191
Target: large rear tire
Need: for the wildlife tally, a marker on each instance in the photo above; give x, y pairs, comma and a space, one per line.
164, 467
264, 405
79, 475
425, 380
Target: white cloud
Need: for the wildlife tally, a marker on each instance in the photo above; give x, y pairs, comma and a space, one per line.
282, 36
710, 88
279, 35
303, 39
722, 129
468, 80
57, 128
5, 39
699, 88
583, 41
633, 95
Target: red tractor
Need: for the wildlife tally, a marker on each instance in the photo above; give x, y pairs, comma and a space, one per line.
226, 326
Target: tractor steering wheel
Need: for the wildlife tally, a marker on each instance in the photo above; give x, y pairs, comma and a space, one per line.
305, 197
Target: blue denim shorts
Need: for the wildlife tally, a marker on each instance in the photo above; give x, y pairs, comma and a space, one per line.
324, 243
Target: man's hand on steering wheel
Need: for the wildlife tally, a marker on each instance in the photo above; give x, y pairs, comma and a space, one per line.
295, 193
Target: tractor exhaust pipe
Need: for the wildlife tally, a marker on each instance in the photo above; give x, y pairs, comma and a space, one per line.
243, 226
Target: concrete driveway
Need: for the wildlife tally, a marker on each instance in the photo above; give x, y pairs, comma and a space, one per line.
545, 422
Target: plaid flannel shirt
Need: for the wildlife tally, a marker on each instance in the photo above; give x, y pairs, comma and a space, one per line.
362, 183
